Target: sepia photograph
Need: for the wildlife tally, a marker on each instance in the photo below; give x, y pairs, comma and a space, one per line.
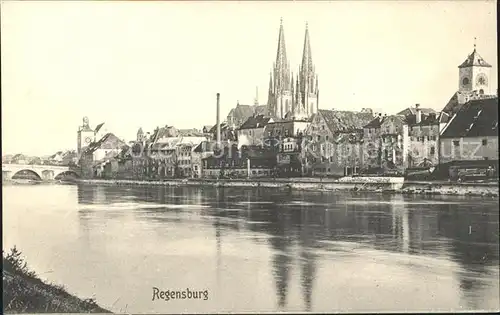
170, 157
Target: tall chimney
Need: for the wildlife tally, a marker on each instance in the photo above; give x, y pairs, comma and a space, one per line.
218, 120
418, 115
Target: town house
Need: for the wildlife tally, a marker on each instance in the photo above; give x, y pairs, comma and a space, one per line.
423, 131
285, 139
472, 133
251, 131
332, 142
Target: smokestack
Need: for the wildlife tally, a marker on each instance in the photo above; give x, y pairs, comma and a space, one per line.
218, 120
418, 115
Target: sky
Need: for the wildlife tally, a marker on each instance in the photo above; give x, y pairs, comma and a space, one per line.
148, 64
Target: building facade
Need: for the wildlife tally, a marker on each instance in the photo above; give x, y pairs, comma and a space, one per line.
251, 132
332, 143
285, 139
248, 162
423, 132
472, 133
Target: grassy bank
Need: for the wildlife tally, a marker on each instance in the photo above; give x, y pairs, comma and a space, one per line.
24, 292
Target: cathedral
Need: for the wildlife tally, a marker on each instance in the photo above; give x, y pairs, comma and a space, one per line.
292, 98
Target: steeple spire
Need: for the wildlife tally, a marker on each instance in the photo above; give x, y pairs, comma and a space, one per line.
282, 72
307, 64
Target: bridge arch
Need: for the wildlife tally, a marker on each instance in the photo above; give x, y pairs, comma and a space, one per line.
61, 174
19, 174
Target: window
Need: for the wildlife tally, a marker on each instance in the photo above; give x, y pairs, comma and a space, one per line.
456, 143
485, 141
319, 138
326, 138
323, 127
433, 150
328, 169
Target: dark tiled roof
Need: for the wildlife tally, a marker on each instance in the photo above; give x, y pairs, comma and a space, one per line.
282, 128
474, 59
258, 121
412, 111
189, 132
428, 119
223, 127
205, 146
477, 118
242, 112
455, 102
374, 123
345, 120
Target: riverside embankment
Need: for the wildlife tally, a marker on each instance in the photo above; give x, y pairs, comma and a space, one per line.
25, 292
361, 184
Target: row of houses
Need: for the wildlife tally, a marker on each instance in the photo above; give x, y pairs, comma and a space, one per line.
331, 143
338, 143
60, 158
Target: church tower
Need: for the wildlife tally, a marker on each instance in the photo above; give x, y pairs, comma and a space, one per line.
85, 136
474, 74
280, 98
307, 83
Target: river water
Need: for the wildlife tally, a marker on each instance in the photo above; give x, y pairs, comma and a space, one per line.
258, 250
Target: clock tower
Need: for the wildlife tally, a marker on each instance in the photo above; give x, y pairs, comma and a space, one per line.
85, 136
474, 74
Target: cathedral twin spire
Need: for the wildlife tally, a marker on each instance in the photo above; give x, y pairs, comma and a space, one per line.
289, 98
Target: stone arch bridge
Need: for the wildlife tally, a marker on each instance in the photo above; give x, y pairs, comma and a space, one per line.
44, 172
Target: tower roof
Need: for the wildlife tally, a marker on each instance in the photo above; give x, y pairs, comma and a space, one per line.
281, 53
474, 59
281, 66
307, 64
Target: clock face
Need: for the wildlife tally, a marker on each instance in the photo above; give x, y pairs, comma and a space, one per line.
481, 80
87, 140
465, 81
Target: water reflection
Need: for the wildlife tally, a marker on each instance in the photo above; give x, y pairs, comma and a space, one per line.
301, 230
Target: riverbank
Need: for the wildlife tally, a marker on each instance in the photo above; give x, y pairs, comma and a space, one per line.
24, 292
360, 184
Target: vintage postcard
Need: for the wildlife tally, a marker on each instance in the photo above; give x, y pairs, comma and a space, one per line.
164, 157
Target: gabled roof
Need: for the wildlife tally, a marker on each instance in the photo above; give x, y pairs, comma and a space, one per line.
190, 132
257, 121
374, 123
108, 141
345, 120
476, 118
429, 119
205, 146
243, 112
474, 59
460, 98
223, 127
456, 101
413, 111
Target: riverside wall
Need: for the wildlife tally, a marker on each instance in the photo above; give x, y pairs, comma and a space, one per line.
368, 184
